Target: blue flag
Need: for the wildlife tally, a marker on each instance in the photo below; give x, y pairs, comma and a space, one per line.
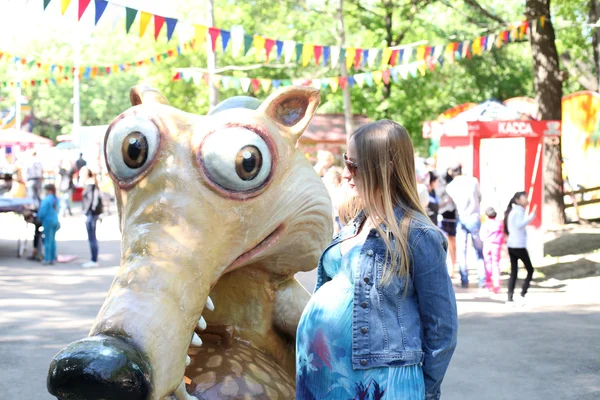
171, 22
100, 7
225, 36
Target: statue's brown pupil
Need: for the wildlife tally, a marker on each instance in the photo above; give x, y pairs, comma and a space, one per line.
248, 163
135, 150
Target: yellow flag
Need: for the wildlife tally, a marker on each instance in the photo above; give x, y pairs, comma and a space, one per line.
144, 20
476, 46
422, 68
385, 57
200, 34
350, 54
377, 76
259, 45
334, 83
542, 20
420, 53
64, 4
265, 84
307, 53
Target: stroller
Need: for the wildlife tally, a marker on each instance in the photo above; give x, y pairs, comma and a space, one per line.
30, 217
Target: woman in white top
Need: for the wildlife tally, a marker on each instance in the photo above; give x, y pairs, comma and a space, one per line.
515, 221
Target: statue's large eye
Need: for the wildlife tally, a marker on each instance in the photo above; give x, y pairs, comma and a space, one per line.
236, 159
131, 146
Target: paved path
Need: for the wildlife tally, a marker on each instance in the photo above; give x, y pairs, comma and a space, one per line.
549, 349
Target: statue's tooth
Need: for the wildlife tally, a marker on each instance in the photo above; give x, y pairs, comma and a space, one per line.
196, 341
209, 304
201, 323
188, 360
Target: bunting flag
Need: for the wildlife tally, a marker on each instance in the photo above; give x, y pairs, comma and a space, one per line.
144, 21
64, 4
100, 7
46, 2
83, 4
171, 23
158, 24
130, 14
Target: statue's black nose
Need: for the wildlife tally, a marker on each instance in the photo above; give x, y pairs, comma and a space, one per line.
98, 368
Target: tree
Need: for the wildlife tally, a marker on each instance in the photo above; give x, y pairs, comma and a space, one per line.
548, 86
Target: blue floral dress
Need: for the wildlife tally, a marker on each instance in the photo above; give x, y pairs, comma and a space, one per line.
324, 345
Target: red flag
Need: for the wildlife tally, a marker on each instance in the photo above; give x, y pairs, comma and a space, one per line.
386, 76
428, 51
357, 56
269, 43
206, 79
107, 69
39, 65
394, 58
318, 51
158, 24
342, 81
32, 83
469, 50
214, 34
83, 4
255, 85
177, 76
170, 53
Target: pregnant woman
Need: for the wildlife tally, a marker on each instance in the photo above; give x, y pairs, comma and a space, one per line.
382, 323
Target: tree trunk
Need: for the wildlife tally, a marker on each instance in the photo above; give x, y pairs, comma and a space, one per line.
346, 90
594, 15
548, 87
389, 39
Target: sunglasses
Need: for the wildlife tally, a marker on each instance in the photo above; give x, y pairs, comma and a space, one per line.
351, 165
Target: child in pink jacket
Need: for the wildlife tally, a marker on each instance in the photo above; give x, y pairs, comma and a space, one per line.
492, 235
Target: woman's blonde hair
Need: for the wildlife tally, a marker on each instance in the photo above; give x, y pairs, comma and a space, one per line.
386, 179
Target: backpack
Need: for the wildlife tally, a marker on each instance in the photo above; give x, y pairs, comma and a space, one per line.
96, 206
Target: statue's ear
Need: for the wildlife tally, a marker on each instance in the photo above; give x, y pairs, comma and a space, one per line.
145, 94
292, 108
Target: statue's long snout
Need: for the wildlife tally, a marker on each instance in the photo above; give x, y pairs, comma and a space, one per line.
99, 367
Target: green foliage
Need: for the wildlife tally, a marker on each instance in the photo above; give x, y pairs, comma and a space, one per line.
500, 74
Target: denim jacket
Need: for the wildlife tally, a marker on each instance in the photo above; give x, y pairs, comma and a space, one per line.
397, 325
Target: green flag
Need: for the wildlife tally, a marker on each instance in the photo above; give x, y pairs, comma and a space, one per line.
248, 40
130, 14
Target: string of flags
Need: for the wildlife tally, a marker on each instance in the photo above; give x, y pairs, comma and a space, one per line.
369, 79
242, 43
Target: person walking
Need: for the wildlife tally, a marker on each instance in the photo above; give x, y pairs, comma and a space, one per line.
515, 222
48, 216
492, 236
34, 176
433, 206
447, 209
464, 191
65, 186
382, 322
92, 208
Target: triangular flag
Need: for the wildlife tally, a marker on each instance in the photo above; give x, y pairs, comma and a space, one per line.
379, 57
307, 53
350, 54
158, 24
351, 81
491, 39
225, 36
276, 83
385, 57
235, 82
279, 49
265, 84
420, 53
237, 40
369, 79
225, 79
269, 43
394, 57
130, 14
335, 56
248, 40
259, 45
83, 4
395, 74
100, 7
326, 54
359, 79
144, 21
422, 69
542, 21
171, 23
408, 55
377, 76
46, 2
343, 81
216, 80
372, 57
333, 82
214, 35
316, 83
386, 76
64, 4
357, 57
299, 47
289, 47
365, 57
245, 82
255, 85
318, 50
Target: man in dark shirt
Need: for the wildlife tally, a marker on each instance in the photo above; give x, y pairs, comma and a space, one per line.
80, 162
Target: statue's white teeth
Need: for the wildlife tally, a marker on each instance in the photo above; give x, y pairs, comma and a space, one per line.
209, 304
188, 360
201, 323
196, 341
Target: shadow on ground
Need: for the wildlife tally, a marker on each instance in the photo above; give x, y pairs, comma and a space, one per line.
573, 244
